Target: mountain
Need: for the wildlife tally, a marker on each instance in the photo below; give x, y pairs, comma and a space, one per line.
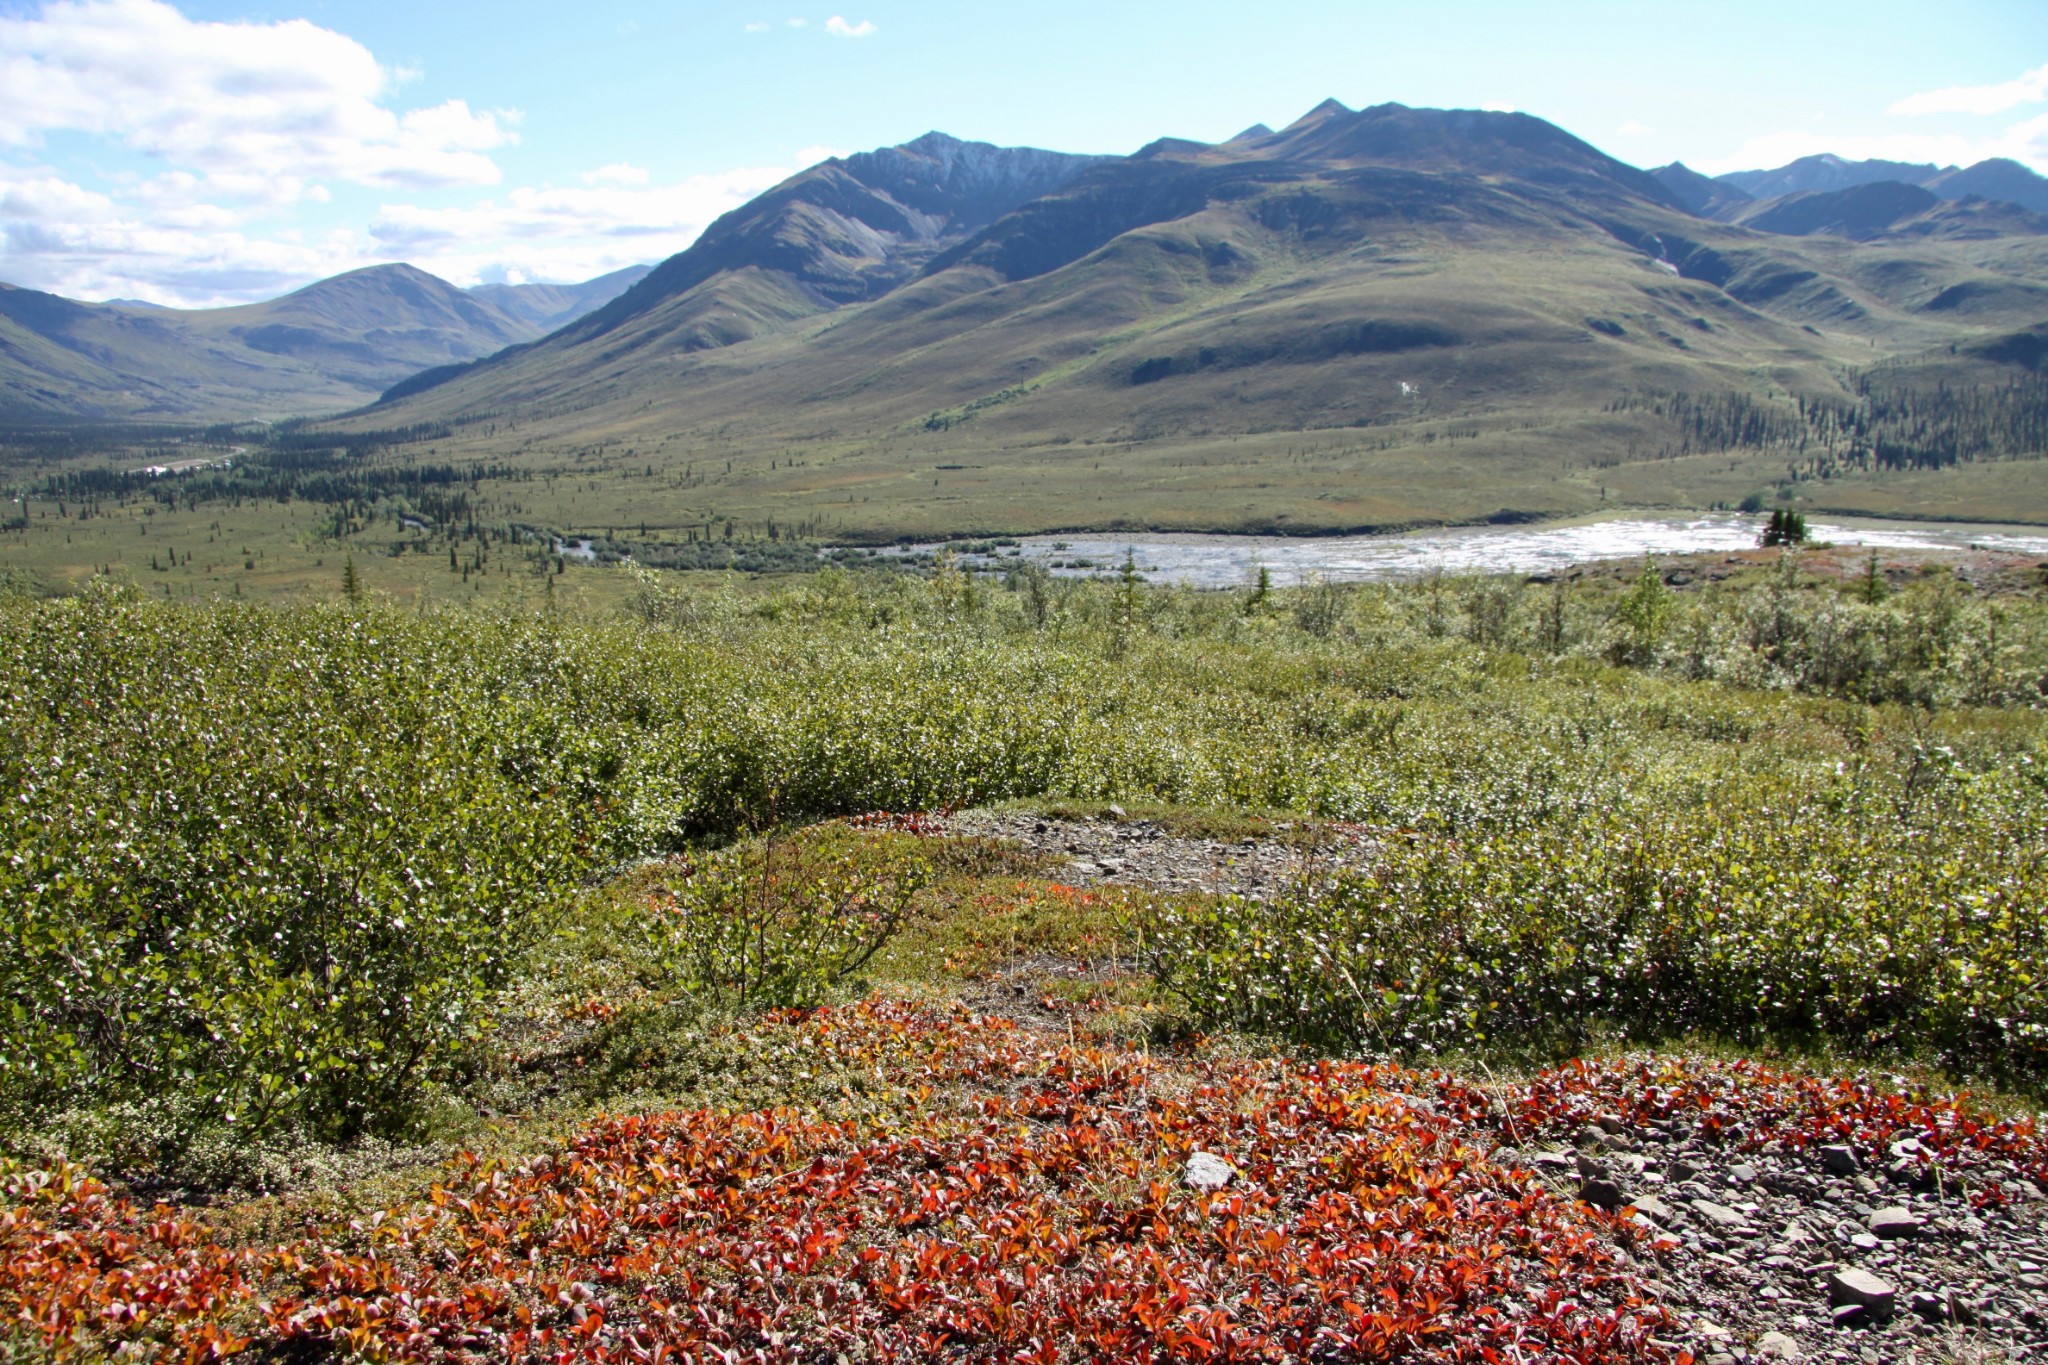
1433, 299
334, 344
1887, 209
1997, 178
1826, 172
1705, 196
1364, 318
548, 306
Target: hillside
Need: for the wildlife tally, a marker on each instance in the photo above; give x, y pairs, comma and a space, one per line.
1367, 318
334, 344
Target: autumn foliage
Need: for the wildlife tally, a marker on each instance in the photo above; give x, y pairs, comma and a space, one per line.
1030, 1206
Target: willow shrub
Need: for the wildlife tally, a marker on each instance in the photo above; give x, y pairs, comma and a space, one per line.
274, 865
1852, 914
782, 923
257, 867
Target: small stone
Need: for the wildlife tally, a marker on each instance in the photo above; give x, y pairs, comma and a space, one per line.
1678, 1170
1556, 1161
1655, 1209
1742, 1173
1777, 1346
1840, 1158
1893, 1223
1861, 1288
1852, 1315
1720, 1215
1611, 1123
1939, 1308
1207, 1171
1603, 1193
1864, 1241
1117, 812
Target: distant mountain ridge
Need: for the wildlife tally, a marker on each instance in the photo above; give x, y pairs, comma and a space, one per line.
1997, 179
334, 344
548, 306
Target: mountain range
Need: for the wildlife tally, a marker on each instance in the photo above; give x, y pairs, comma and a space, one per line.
1358, 268
1420, 310
335, 344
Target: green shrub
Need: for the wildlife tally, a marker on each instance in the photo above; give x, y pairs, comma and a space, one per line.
1849, 913
782, 922
268, 866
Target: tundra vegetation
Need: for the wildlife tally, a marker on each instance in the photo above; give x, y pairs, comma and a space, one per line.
333, 876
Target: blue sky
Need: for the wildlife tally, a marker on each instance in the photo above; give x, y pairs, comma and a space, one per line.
198, 153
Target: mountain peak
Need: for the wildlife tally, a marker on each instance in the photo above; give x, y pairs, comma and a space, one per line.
1322, 113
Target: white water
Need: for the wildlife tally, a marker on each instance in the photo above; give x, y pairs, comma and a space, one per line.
1212, 561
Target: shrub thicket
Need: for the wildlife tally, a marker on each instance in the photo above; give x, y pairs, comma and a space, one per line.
275, 865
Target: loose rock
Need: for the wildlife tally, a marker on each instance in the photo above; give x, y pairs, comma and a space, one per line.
1207, 1171
1860, 1288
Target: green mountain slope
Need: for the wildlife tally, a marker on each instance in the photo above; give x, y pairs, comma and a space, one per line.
335, 344
1366, 318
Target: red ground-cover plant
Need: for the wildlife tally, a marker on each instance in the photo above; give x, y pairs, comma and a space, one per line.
1044, 1221
1030, 1204
81, 1269
1750, 1105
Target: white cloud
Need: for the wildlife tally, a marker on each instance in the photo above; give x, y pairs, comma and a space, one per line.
2031, 88
839, 28
240, 104
758, 27
618, 173
799, 23
60, 237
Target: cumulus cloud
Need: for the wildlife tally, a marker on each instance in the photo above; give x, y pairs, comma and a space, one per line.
839, 28
61, 237
240, 104
618, 173
2031, 88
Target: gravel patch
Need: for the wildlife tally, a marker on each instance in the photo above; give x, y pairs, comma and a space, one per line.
1145, 853
1787, 1255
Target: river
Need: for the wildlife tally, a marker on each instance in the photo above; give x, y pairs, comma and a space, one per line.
1219, 561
